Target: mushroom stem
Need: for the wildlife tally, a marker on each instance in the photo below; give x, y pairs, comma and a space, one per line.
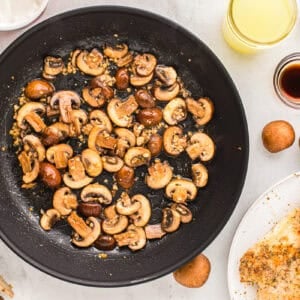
79, 225
35, 121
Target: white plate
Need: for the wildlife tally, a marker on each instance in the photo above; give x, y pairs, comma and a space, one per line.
268, 209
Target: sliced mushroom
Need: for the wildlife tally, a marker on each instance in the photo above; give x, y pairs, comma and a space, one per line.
117, 52
112, 163
137, 156
144, 64
55, 133
127, 206
166, 74
105, 141
181, 190
74, 55
125, 60
121, 112
49, 218
93, 135
136, 80
105, 82
114, 223
92, 162
185, 214
79, 119
76, 168
65, 101
29, 113
100, 118
166, 93
91, 63
88, 232
30, 167
174, 141
134, 238
201, 146
38, 88
202, 109
142, 216
96, 192
200, 175
53, 65
59, 155
35, 145
160, 175
93, 96
154, 231
64, 201
76, 184
170, 220
175, 111
126, 139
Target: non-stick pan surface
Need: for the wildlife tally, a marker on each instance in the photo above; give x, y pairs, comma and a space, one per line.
202, 73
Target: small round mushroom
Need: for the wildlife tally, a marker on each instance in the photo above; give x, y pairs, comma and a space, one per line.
144, 98
49, 218
166, 74
59, 155
88, 232
55, 133
142, 216
112, 164
96, 192
65, 101
114, 223
29, 112
202, 110
127, 206
64, 201
137, 156
170, 220
144, 64
181, 190
92, 162
38, 88
122, 79
166, 93
116, 52
49, 174
185, 214
200, 175
93, 96
134, 238
138, 81
52, 66
91, 63
30, 167
105, 242
160, 174
100, 118
125, 177
34, 144
174, 141
201, 146
175, 111
89, 209
155, 144
126, 139
150, 116
120, 112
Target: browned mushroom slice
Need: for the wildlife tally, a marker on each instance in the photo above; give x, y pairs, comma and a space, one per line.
117, 52
79, 119
202, 109
160, 175
170, 220
201, 146
175, 111
125, 60
181, 190
64, 201
137, 156
167, 75
59, 155
120, 112
29, 113
53, 65
142, 216
100, 119
34, 145
105, 82
166, 93
93, 96
126, 139
38, 88
134, 238
76, 168
55, 133
91, 63
136, 80
30, 167
144, 64
174, 141
65, 101
76, 184
185, 214
200, 175
126, 206
92, 162
96, 192
86, 232
105, 141
112, 164
74, 55
154, 231
114, 223
49, 218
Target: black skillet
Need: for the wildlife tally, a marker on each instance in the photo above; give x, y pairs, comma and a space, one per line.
202, 73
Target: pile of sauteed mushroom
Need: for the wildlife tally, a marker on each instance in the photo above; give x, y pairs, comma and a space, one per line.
129, 112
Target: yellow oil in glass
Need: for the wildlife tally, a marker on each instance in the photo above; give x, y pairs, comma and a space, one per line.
254, 24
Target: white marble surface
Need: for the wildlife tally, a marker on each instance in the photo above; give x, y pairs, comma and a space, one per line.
253, 77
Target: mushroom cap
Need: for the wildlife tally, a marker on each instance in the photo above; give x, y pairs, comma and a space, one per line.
38, 88
166, 93
49, 218
92, 162
35, 144
160, 175
142, 216
26, 109
116, 52
170, 220
112, 163
99, 118
91, 63
126, 205
173, 140
93, 96
175, 111
115, 225
96, 192
200, 175
144, 64
166, 74
202, 146
55, 133
137, 156
64, 201
59, 154
181, 190
186, 215
78, 184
